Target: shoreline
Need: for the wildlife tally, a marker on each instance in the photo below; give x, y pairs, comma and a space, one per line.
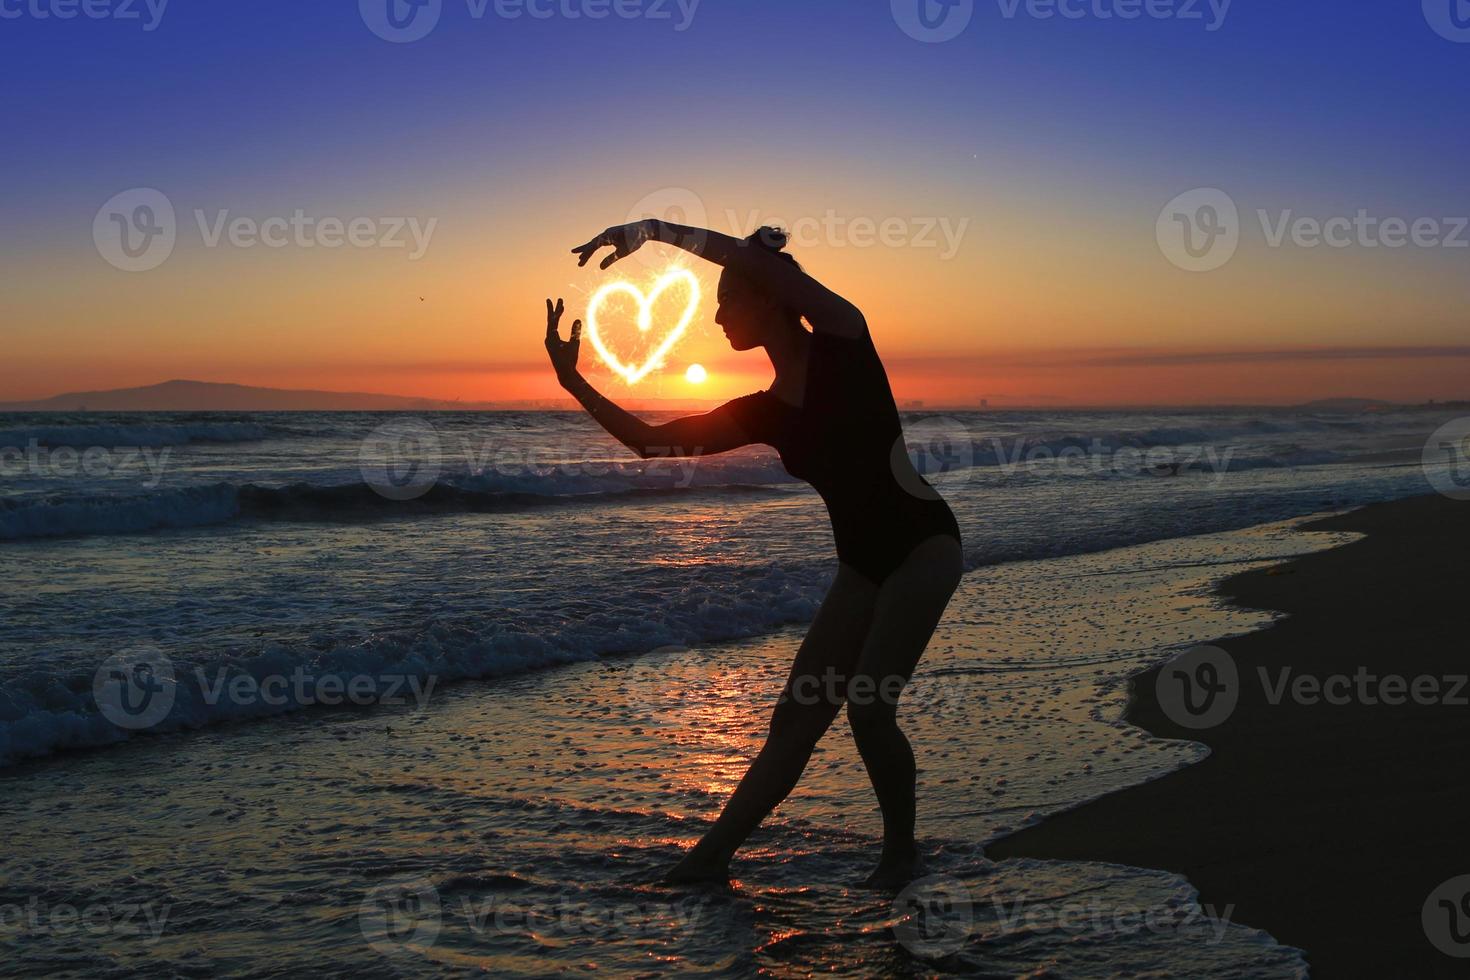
1279, 820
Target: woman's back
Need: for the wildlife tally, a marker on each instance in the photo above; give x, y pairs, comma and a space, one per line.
846, 440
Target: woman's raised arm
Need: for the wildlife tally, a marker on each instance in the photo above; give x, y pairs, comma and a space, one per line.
695, 435
787, 284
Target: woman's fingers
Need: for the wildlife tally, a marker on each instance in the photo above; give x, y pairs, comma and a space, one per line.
616, 237
576, 331
553, 319
585, 252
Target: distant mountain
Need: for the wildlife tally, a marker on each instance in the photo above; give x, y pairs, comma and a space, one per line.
205, 396
1346, 405
208, 396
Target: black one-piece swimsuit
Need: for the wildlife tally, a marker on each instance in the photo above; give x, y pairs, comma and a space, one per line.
847, 442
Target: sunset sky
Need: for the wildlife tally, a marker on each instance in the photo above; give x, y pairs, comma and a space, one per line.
1019, 169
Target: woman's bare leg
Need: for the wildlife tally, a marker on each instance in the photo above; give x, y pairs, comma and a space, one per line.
804, 713
907, 610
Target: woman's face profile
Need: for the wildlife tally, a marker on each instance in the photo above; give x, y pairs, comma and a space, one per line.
742, 314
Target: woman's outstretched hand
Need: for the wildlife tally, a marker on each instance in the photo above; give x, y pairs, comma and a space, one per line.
624, 241
563, 353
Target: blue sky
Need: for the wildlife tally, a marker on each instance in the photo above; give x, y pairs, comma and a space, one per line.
1075, 129
1310, 94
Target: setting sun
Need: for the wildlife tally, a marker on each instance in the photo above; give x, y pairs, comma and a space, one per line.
696, 375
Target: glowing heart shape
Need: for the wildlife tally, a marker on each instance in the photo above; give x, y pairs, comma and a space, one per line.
635, 373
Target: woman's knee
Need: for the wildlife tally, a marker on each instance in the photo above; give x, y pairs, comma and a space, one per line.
869, 717
796, 721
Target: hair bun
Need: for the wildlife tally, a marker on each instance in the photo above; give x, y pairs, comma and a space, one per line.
769, 238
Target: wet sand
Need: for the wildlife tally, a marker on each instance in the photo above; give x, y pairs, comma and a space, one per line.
1327, 825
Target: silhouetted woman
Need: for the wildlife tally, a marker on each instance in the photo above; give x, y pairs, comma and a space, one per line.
831, 416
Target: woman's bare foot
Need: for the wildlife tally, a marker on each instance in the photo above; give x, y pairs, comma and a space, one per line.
698, 869
896, 869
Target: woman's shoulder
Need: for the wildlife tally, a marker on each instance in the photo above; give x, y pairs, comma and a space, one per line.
854, 330
843, 344
749, 410
756, 400
753, 415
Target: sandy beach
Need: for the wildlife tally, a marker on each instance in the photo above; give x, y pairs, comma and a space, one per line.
1329, 825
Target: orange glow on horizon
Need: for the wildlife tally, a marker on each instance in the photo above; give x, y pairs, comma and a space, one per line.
1020, 314
1001, 379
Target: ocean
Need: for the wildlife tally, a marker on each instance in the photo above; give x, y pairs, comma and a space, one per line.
383, 598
